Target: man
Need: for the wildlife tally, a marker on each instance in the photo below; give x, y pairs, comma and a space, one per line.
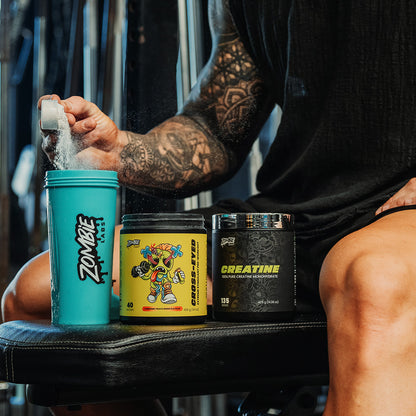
343, 73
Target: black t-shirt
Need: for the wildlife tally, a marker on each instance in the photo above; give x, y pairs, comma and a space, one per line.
344, 73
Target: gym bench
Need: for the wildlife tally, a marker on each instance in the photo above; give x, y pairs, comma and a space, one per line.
275, 361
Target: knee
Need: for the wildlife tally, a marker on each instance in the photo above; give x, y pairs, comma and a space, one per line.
369, 297
13, 304
28, 295
368, 283
8, 305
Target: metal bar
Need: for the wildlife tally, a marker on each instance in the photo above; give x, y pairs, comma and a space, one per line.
90, 46
112, 87
195, 40
119, 36
4, 167
104, 46
71, 48
184, 76
38, 89
184, 84
196, 62
190, 64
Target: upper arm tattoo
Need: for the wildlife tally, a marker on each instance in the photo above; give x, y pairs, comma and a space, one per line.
234, 91
231, 100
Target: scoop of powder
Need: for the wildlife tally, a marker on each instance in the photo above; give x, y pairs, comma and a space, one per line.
66, 149
53, 117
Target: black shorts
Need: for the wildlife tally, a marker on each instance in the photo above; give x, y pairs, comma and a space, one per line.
312, 243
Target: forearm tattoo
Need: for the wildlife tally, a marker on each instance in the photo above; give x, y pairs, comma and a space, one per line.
174, 156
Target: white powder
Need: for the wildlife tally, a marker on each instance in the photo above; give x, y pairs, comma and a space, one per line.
66, 146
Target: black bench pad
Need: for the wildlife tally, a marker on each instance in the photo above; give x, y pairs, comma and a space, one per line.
180, 360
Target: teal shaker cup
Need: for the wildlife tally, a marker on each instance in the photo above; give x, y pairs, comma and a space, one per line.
81, 210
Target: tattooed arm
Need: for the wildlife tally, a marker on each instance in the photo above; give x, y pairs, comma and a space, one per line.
176, 155
211, 136
203, 145
231, 99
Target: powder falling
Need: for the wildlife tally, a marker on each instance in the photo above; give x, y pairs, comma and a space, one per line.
66, 146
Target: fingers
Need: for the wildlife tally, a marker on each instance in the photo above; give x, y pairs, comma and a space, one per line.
394, 203
80, 108
83, 126
384, 207
405, 196
77, 109
95, 135
48, 97
80, 114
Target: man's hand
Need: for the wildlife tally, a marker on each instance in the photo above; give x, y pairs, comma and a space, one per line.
98, 139
405, 196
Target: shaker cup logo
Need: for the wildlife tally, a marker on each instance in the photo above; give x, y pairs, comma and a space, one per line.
89, 264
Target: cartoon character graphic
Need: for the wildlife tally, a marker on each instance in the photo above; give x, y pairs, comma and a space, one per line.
158, 269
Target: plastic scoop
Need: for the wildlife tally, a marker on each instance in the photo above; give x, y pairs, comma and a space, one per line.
51, 112
53, 117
